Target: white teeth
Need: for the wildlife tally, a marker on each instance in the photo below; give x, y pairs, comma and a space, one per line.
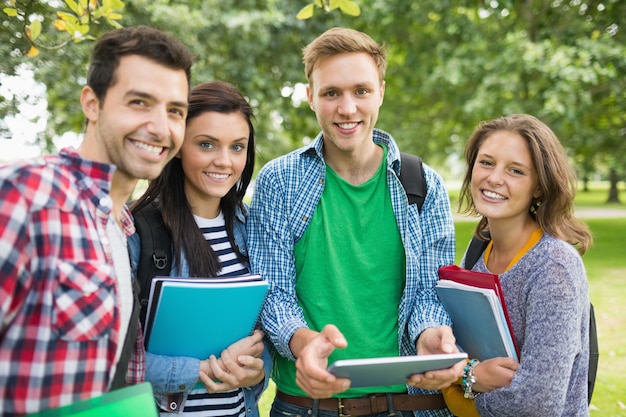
149, 148
347, 125
217, 176
493, 195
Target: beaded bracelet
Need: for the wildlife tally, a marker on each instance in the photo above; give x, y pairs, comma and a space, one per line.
469, 379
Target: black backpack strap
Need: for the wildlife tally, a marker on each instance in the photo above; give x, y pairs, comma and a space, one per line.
156, 252
412, 179
476, 248
594, 353
119, 377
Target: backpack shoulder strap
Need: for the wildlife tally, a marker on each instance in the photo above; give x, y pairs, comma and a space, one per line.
412, 179
476, 248
594, 353
156, 247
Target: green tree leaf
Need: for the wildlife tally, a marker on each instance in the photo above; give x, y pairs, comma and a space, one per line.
10, 11
334, 4
73, 6
349, 7
35, 29
306, 12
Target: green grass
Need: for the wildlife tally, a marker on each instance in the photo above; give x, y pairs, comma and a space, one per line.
597, 196
606, 271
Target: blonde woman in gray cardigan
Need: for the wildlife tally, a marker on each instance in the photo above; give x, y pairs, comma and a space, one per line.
520, 181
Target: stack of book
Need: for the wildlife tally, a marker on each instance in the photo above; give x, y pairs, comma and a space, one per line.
477, 308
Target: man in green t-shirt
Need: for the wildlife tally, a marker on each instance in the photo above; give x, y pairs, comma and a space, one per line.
352, 266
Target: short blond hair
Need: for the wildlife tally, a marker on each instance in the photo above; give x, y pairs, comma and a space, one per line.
342, 40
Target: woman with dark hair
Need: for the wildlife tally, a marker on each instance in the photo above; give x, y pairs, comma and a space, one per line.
200, 198
520, 181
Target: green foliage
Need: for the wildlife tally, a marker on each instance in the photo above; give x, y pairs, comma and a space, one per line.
76, 21
451, 65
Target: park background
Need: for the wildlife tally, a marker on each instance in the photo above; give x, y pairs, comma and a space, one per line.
451, 64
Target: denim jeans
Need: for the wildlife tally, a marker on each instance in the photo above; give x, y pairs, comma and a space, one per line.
284, 409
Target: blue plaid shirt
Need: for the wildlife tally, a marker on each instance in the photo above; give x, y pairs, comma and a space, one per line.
287, 191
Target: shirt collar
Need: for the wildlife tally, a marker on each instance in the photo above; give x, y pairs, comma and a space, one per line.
93, 179
99, 174
378, 136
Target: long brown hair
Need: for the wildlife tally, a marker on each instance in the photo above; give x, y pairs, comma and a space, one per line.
168, 194
554, 208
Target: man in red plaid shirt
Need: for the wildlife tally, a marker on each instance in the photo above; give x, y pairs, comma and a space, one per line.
66, 294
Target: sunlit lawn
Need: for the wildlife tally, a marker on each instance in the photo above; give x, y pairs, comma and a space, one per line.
606, 270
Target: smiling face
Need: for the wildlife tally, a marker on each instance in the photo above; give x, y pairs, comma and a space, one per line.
504, 179
140, 124
213, 157
346, 93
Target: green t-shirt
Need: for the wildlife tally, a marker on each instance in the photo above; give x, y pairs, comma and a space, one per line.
350, 268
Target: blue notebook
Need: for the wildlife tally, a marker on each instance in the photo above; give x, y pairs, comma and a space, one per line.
199, 317
476, 305
134, 400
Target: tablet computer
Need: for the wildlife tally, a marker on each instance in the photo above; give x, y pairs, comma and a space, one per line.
393, 370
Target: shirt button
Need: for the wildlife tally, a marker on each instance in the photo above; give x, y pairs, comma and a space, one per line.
173, 406
182, 387
106, 202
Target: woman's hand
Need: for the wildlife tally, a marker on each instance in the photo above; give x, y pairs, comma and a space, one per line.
239, 366
494, 373
250, 346
230, 373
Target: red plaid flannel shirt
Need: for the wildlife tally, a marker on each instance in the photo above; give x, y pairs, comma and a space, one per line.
59, 318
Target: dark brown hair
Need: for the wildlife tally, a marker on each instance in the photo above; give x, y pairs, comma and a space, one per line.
144, 41
167, 191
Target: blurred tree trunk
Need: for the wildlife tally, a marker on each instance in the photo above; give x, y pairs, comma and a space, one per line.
613, 191
585, 184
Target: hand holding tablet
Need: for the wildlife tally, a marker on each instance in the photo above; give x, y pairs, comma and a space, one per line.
392, 370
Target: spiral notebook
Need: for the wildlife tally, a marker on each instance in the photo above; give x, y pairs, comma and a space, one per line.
199, 317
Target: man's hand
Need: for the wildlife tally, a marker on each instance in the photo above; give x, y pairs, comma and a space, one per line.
432, 341
312, 351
